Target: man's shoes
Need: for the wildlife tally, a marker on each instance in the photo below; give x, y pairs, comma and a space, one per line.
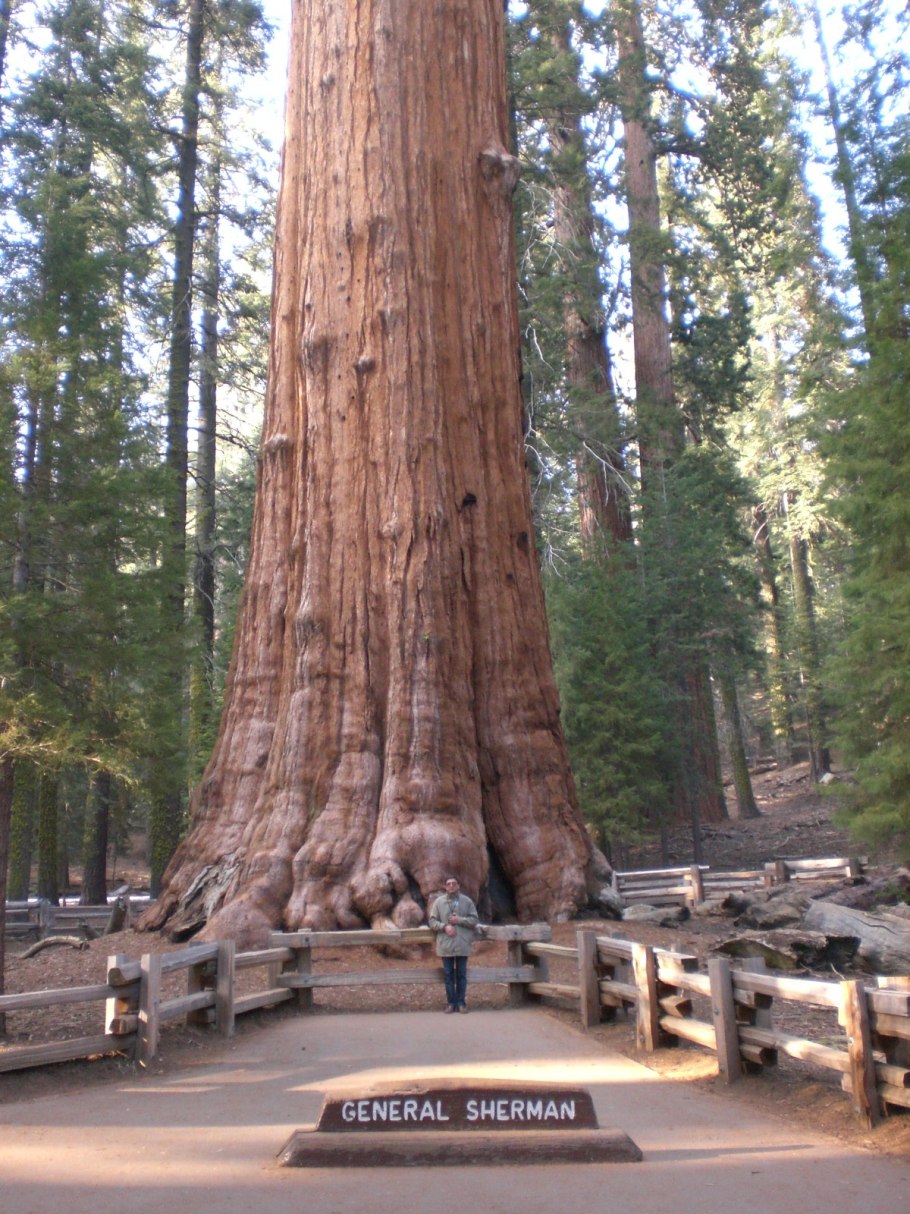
463, 1010
449, 1010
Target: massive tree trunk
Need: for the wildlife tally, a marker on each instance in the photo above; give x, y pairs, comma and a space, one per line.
391, 712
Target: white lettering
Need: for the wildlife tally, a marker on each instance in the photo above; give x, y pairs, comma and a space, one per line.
394, 1110
427, 1112
471, 1110
551, 1110
534, 1108
348, 1111
487, 1109
502, 1110
380, 1110
567, 1110
409, 1111
517, 1110
440, 1115
363, 1110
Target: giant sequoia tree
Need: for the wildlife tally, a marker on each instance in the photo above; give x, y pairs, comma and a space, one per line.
391, 712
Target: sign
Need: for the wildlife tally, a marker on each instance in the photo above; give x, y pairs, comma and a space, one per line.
472, 1107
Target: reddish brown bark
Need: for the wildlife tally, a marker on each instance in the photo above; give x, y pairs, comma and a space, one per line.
391, 711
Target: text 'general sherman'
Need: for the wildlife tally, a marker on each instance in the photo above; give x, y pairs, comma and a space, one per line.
505, 1109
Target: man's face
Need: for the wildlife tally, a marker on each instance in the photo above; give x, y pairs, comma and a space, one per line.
452, 886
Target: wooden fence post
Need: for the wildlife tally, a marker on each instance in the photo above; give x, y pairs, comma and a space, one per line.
516, 956
117, 1008
854, 1018
588, 978
200, 977
224, 988
723, 1016
647, 1016
303, 964
697, 892
149, 1006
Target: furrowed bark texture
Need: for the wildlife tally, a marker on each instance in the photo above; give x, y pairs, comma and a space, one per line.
391, 713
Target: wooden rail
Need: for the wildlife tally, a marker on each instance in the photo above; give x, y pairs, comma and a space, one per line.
691, 884
662, 988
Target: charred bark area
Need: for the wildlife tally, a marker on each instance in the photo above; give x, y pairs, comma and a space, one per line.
391, 712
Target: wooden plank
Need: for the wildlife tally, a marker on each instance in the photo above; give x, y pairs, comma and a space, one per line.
122, 975
647, 1017
55, 998
723, 1016
691, 1030
409, 935
890, 1026
185, 1005
303, 966
224, 988
262, 956
518, 992
620, 993
414, 975
535, 949
554, 990
757, 1002
854, 1016
758, 1056
149, 1006
670, 975
612, 947
250, 1003
799, 990
796, 1047
892, 1003
697, 890
655, 872
20, 1057
675, 1005
589, 1007
120, 1004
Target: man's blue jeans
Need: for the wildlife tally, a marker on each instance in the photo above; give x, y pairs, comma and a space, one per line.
455, 972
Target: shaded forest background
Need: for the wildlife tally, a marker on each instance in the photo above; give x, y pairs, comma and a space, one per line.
716, 403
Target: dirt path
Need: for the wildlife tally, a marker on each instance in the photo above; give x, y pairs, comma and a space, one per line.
205, 1137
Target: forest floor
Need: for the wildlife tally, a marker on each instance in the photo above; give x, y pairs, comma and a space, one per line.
796, 822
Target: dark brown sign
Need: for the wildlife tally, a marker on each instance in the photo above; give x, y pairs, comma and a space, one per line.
477, 1106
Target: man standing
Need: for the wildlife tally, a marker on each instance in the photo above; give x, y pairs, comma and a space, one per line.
453, 917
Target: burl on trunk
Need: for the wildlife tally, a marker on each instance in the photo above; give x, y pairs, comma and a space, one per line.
391, 712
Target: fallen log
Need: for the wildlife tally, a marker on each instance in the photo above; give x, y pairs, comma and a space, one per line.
883, 940
52, 942
792, 950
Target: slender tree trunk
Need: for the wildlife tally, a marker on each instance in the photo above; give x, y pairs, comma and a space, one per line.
48, 837
698, 790
97, 828
22, 829
603, 499
746, 806
779, 692
391, 712
804, 610
6, 808
202, 692
169, 780
862, 266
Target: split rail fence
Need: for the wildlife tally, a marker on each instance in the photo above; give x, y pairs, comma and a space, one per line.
599, 976
694, 883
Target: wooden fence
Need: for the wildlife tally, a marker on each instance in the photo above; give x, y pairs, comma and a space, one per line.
693, 883
599, 976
